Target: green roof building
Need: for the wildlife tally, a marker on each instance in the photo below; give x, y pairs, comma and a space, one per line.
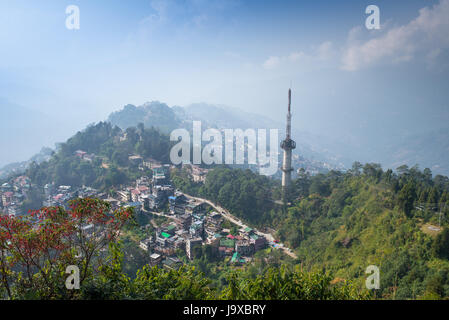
248, 230
229, 243
165, 235
237, 258
254, 236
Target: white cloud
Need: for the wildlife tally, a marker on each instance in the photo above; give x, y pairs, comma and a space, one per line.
325, 51
295, 56
427, 33
272, 62
317, 54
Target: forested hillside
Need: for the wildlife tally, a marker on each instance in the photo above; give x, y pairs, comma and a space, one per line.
343, 222
151, 114
108, 148
37, 272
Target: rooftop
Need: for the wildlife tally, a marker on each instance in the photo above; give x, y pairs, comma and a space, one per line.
165, 235
155, 256
227, 243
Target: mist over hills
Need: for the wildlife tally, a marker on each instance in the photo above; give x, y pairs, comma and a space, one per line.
20, 167
160, 115
429, 149
151, 114
24, 132
25, 129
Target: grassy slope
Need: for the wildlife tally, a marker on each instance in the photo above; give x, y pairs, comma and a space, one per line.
378, 234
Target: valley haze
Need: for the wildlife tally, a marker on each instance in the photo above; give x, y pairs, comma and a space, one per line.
386, 106
206, 150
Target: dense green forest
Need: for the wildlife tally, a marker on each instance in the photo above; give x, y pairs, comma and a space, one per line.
345, 221
110, 165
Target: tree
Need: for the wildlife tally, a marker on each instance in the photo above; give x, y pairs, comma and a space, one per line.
183, 284
302, 183
403, 170
120, 157
407, 197
372, 170
356, 167
433, 196
427, 173
319, 186
440, 246
52, 238
284, 284
34, 200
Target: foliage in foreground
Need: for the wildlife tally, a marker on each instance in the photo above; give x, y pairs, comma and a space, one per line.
36, 251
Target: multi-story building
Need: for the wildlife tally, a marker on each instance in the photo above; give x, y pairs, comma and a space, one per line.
258, 242
244, 247
13, 209
226, 246
135, 160
7, 198
159, 176
177, 204
191, 244
145, 244
124, 195
197, 229
136, 205
155, 259
171, 263
49, 189
6, 187
195, 208
135, 193
183, 221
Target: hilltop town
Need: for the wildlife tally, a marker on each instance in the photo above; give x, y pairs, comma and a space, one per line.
188, 224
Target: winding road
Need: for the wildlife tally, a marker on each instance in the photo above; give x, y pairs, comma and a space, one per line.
227, 215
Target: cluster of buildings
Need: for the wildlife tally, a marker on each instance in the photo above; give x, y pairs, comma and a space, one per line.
191, 225
59, 196
240, 247
148, 193
314, 167
12, 195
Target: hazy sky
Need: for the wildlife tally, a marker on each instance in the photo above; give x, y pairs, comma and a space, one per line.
348, 82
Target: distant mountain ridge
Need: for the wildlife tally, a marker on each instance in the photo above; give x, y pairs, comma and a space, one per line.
167, 118
24, 131
151, 114
428, 150
20, 167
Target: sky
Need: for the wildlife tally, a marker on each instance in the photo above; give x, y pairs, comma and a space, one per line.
348, 83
